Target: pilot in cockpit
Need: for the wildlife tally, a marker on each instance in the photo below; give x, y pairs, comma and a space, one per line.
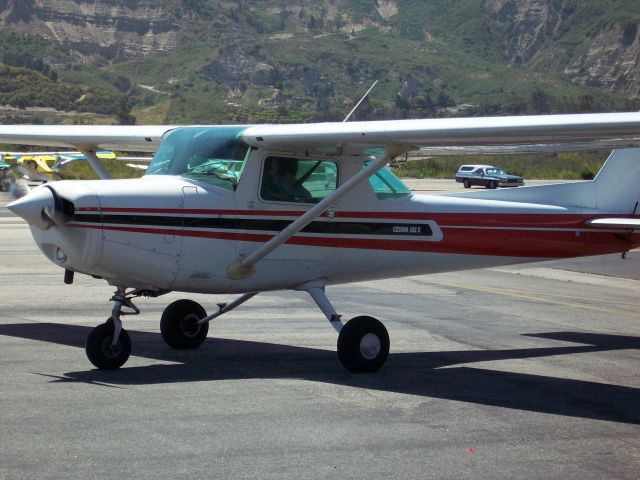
280, 181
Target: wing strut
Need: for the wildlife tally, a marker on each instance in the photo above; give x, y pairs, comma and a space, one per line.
245, 268
96, 163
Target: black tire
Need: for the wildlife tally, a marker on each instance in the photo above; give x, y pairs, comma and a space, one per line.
466, 183
178, 324
492, 185
101, 353
363, 345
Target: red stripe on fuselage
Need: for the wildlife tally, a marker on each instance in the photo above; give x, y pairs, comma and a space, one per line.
540, 243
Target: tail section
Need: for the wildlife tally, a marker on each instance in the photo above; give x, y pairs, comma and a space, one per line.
618, 182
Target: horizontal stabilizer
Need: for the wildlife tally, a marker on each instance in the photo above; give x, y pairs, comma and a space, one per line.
624, 223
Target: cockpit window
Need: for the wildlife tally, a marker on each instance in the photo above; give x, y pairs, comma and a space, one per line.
208, 154
386, 185
298, 180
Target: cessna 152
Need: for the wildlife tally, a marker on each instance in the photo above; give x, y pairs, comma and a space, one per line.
247, 209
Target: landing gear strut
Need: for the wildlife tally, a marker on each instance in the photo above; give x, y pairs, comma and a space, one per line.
108, 345
185, 324
363, 342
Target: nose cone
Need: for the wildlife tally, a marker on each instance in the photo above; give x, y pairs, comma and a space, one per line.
32, 206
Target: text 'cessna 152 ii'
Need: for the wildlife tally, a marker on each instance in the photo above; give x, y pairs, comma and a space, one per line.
247, 209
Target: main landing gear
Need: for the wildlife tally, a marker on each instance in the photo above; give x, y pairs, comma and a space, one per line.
363, 342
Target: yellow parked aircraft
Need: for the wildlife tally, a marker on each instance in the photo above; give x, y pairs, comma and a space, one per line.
43, 166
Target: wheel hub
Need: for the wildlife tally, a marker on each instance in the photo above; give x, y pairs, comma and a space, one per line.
109, 350
370, 346
189, 326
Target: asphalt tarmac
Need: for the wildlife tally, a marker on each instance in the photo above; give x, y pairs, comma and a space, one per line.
523, 372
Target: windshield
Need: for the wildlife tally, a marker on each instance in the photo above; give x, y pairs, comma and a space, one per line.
495, 171
209, 154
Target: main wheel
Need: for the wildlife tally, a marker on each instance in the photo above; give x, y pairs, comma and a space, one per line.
363, 344
179, 324
101, 353
492, 184
466, 183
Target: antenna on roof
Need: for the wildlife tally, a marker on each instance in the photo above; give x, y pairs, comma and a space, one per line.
358, 104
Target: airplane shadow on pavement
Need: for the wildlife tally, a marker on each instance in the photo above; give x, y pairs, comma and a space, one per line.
418, 373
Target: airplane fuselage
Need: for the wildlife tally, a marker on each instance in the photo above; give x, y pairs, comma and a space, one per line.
170, 233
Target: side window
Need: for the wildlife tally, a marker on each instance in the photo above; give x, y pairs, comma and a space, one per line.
298, 180
386, 185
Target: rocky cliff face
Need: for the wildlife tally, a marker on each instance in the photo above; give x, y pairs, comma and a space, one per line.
531, 33
528, 24
534, 33
109, 28
610, 59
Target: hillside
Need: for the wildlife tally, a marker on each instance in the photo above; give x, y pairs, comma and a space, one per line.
213, 61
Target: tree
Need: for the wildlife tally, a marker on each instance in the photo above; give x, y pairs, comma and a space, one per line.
540, 101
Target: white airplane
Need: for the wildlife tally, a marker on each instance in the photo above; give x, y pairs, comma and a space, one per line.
248, 209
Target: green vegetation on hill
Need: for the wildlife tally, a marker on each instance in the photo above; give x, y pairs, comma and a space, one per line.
256, 61
27, 80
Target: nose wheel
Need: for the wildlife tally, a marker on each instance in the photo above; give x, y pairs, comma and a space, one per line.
108, 345
101, 350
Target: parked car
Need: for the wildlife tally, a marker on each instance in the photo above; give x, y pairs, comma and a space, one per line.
486, 176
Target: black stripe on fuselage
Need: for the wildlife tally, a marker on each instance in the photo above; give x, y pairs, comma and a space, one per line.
260, 224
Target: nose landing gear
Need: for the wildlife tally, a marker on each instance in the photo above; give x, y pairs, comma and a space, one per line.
101, 350
108, 345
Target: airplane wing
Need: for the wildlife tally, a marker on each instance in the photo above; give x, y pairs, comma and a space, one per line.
434, 136
456, 135
86, 137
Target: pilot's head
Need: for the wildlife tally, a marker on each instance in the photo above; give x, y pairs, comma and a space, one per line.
282, 167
